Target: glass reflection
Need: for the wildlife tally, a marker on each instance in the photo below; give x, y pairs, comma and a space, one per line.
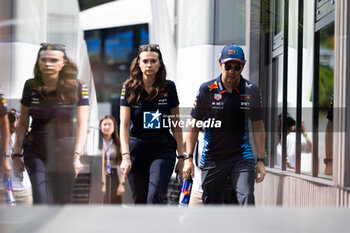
51, 112
279, 6
326, 71
308, 59
111, 51
279, 67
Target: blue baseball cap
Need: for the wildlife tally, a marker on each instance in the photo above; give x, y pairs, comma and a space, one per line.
232, 52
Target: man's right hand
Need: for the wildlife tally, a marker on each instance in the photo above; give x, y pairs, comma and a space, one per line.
188, 168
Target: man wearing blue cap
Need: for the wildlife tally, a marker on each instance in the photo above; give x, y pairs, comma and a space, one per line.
227, 152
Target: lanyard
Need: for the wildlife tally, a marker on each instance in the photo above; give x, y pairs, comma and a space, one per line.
107, 149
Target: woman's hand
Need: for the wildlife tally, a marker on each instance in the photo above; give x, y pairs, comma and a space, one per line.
77, 165
125, 166
103, 189
121, 189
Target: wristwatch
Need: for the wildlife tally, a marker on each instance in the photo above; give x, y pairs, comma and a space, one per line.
261, 159
187, 156
180, 157
17, 155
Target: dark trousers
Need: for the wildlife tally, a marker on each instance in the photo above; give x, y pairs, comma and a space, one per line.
51, 176
149, 180
49, 187
242, 175
230, 196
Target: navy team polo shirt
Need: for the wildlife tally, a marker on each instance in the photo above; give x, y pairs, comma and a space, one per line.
3, 109
230, 142
44, 108
147, 117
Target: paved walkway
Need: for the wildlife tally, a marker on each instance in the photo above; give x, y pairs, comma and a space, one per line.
168, 219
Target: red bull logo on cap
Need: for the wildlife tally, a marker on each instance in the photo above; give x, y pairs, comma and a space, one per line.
232, 51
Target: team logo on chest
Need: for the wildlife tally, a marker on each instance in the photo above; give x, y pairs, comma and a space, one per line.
245, 101
163, 99
218, 96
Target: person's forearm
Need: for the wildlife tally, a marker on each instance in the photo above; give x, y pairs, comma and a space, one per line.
21, 130
103, 168
124, 129
177, 131
82, 128
125, 120
329, 140
5, 133
191, 139
122, 178
20, 134
124, 137
179, 140
104, 176
259, 137
309, 142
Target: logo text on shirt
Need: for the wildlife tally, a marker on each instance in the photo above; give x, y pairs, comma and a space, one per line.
151, 120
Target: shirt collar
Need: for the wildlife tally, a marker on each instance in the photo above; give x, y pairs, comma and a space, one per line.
222, 89
241, 83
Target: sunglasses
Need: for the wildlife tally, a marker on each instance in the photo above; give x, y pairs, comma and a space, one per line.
236, 67
145, 46
53, 46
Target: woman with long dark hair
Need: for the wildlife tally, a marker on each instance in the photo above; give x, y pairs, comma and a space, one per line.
148, 99
111, 159
58, 104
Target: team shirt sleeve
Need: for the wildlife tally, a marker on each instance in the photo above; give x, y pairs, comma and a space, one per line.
199, 106
124, 97
83, 94
173, 97
256, 108
3, 109
26, 94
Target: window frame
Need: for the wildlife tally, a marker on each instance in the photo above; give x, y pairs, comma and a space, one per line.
279, 46
326, 9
